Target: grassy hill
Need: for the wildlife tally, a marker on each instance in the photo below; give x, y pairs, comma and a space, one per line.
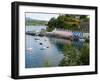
29, 21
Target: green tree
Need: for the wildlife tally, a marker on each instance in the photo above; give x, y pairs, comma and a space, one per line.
84, 56
73, 56
51, 24
64, 22
84, 18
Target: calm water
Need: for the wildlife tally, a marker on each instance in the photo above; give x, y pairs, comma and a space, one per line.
40, 51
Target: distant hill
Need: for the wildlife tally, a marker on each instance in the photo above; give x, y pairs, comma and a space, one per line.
30, 21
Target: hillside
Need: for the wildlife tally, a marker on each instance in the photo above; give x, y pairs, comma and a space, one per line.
69, 22
29, 21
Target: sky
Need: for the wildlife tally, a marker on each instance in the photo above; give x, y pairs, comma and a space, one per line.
41, 16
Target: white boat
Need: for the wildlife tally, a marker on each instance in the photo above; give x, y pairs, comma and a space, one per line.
82, 40
43, 48
29, 49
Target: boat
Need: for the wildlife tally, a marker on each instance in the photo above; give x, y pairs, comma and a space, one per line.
75, 38
43, 48
36, 38
29, 49
47, 46
82, 40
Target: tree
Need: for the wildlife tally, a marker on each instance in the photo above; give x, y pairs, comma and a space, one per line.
71, 22
84, 18
84, 56
73, 56
51, 24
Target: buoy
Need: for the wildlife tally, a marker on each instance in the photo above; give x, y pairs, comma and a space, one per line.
41, 43
47, 46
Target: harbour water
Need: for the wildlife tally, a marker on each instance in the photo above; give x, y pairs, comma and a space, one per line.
45, 51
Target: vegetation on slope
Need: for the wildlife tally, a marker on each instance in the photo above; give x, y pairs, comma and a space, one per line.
70, 22
29, 22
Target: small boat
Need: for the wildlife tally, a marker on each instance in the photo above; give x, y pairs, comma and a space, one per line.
82, 40
45, 39
29, 49
36, 38
43, 48
75, 38
41, 35
47, 46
